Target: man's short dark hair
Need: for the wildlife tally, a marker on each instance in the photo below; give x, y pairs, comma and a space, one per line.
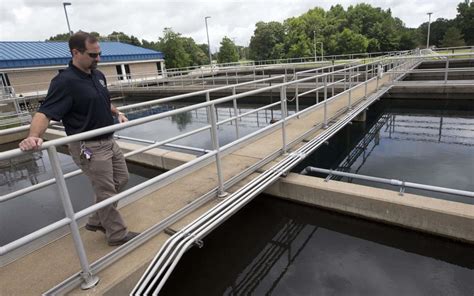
79, 39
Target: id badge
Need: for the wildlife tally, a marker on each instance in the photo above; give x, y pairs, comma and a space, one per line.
86, 153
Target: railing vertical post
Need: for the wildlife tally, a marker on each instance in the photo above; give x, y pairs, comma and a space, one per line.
215, 147
349, 103
297, 96
366, 79
317, 90
379, 74
283, 116
332, 78
236, 114
90, 280
326, 102
345, 78
208, 98
446, 69
226, 78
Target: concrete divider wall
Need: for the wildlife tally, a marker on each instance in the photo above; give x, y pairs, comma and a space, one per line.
440, 217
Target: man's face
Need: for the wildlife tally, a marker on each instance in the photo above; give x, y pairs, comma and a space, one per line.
88, 59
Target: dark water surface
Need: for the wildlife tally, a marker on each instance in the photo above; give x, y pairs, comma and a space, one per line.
428, 142
274, 247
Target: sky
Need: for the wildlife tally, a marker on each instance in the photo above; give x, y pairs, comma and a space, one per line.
37, 20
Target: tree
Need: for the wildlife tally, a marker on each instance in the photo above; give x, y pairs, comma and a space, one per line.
198, 56
228, 51
124, 38
351, 42
452, 37
408, 39
465, 20
265, 37
60, 37
173, 47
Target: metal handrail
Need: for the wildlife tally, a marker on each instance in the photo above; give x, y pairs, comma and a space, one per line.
51, 146
393, 182
168, 256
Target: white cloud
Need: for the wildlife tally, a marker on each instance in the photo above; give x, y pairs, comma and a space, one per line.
146, 19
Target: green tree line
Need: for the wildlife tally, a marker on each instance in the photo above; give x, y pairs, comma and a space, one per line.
360, 28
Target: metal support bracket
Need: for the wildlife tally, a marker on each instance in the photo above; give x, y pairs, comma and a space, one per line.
198, 242
402, 189
89, 280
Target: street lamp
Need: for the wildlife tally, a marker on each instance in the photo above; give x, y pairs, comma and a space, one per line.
208, 43
67, 19
428, 35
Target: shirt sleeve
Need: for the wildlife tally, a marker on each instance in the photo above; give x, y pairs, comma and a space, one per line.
105, 81
58, 101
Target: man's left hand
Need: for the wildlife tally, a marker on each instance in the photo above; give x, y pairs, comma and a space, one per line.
122, 118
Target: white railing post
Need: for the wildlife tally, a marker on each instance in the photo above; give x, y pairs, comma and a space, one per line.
349, 103
215, 146
317, 91
90, 280
236, 114
366, 80
325, 125
446, 69
283, 116
297, 98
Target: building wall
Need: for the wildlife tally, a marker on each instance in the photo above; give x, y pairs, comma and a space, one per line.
140, 69
38, 80
110, 72
31, 80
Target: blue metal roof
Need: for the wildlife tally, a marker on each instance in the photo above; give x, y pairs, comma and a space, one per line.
21, 54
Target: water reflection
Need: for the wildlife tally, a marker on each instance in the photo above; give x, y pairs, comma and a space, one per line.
192, 120
297, 250
400, 141
26, 167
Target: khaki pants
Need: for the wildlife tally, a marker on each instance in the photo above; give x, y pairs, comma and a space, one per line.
108, 173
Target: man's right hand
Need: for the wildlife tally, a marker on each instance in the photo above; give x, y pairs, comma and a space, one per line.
31, 143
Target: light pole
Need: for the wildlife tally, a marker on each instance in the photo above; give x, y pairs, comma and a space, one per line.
67, 19
314, 41
208, 43
428, 35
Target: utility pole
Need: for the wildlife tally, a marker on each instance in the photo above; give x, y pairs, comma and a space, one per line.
67, 19
428, 35
208, 43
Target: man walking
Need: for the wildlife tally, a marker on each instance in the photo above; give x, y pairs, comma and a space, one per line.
78, 96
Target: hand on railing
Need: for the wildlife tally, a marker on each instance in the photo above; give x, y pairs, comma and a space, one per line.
31, 143
122, 118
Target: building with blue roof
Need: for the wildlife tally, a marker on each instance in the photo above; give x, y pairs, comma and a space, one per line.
29, 66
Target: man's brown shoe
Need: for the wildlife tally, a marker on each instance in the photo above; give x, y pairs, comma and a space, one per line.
130, 235
95, 228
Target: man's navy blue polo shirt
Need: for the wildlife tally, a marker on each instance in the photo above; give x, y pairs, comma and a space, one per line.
80, 100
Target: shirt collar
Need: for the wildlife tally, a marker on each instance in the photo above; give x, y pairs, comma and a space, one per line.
79, 72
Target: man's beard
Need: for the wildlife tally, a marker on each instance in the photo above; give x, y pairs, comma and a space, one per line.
93, 66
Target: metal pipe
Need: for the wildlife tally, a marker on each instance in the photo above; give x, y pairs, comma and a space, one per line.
393, 182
